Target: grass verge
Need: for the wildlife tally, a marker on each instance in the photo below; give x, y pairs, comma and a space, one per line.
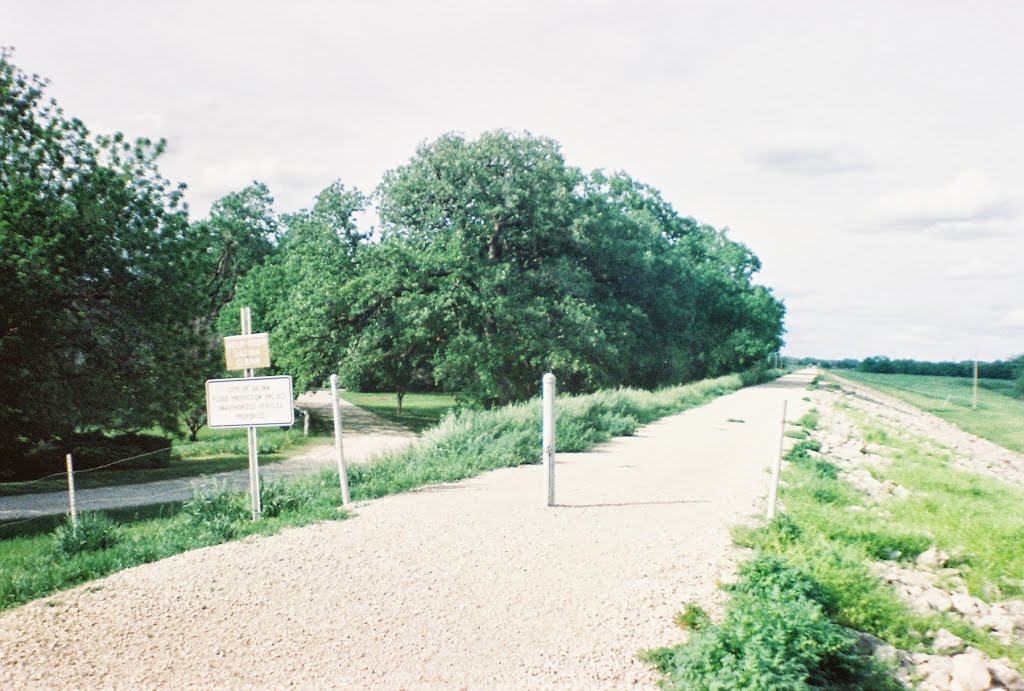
465, 444
793, 618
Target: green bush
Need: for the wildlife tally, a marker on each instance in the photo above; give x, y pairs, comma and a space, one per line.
218, 514
809, 420
95, 531
776, 634
277, 498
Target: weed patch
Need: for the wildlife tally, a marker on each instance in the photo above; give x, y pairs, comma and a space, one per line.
94, 531
776, 634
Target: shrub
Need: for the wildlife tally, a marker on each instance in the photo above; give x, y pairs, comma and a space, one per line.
95, 531
776, 634
279, 497
217, 513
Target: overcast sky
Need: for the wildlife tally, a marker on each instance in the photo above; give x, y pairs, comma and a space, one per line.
870, 153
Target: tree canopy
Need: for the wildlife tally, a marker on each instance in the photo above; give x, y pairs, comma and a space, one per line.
495, 262
95, 329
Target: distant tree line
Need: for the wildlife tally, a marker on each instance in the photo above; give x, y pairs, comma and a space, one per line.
879, 364
494, 261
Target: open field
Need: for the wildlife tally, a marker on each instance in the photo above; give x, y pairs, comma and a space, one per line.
419, 410
998, 418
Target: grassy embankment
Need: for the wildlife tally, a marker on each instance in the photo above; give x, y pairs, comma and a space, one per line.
999, 416
34, 563
809, 586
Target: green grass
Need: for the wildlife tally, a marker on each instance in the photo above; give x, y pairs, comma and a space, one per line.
34, 564
973, 517
217, 451
465, 444
812, 572
998, 418
420, 411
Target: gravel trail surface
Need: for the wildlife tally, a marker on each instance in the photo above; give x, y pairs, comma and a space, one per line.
476, 584
366, 435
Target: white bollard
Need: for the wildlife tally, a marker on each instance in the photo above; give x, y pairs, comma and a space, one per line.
338, 447
305, 422
548, 434
773, 490
71, 492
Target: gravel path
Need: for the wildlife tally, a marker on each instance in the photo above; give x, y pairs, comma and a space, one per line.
366, 435
474, 584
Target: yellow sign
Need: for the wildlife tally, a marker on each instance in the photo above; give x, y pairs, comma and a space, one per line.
247, 352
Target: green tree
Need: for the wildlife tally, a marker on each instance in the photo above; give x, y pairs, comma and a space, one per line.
299, 293
239, 234
489, 226
96, 327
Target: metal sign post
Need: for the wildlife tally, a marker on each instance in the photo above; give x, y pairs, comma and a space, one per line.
254, 461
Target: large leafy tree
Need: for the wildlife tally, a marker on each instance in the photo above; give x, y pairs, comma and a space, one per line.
489, 224
96, 325
240, 233
301, 293
495, 262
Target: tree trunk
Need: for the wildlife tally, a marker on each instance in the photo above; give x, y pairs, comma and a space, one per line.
400, 395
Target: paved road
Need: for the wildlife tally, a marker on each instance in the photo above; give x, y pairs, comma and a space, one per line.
476, 584
366, 435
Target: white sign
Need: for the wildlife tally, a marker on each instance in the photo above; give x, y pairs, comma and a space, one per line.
251, 351
250, 402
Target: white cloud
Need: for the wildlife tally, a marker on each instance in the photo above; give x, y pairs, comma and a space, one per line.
809, 154
980, 269
809, 160
1014, 319
969, 207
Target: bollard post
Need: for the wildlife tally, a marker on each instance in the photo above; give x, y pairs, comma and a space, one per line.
338, 447
305, 422
71, 491
773, 490
548, 434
